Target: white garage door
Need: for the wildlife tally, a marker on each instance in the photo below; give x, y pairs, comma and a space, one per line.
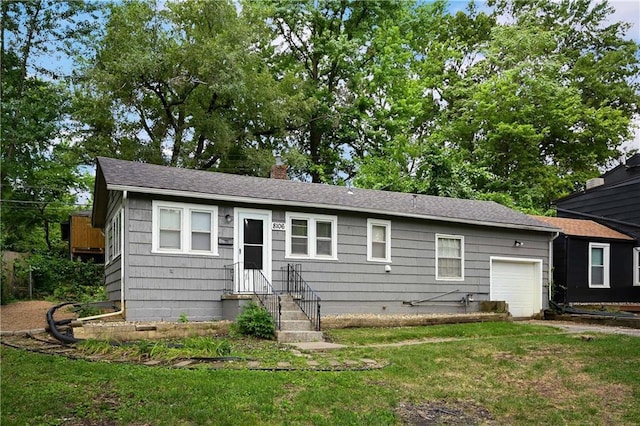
519, 283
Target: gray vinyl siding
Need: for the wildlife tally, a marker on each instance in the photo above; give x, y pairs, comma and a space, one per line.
113, 267
165, 286
354, 285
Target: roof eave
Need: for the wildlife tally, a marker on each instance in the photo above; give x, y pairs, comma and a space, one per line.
270, 201
100, 195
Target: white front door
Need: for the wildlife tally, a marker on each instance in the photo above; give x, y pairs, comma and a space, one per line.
252, 250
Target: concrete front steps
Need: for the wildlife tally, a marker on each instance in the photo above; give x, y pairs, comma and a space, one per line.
295, 327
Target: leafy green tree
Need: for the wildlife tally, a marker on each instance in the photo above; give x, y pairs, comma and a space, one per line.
550, 100
327, 46
417, 82
519, 110
39, 170
182, 85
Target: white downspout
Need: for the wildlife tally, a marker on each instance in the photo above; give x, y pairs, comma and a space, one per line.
122, 256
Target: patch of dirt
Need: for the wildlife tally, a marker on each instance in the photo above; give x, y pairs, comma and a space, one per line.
29, 315
443, 413
565, 389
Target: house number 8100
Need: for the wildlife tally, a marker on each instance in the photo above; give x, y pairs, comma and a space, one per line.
278, 226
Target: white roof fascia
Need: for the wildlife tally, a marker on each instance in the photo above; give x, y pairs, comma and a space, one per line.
269, 201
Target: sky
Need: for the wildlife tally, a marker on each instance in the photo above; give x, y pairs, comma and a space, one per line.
629, 11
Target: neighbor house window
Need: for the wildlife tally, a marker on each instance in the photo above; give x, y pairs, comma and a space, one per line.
114, 229
378, 240
311, 236
598, 265
636, 266
449, 257
185, 228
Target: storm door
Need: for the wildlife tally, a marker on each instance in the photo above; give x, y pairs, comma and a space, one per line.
253, 250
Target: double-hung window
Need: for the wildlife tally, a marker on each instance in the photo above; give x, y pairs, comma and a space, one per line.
636, 266
310, 236
449, 257
598, 265
185, 228
378, 240
114, 229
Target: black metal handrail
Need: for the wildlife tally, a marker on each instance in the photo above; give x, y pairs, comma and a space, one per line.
229, 278
302, 293
254, 281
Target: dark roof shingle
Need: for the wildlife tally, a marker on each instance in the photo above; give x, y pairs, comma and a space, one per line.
583, 228
142, 177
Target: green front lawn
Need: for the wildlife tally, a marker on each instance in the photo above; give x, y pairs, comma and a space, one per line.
500, 373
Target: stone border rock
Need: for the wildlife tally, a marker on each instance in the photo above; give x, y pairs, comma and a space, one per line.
128, 331
382, 321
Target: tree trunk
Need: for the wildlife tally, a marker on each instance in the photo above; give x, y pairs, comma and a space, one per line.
47, 236
315, 139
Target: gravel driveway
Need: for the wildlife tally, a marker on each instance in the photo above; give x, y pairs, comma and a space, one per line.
29, 315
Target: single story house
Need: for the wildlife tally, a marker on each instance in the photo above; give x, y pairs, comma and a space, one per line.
593, 263
189, 242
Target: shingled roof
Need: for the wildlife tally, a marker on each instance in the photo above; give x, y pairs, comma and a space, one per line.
122, 175
583, 228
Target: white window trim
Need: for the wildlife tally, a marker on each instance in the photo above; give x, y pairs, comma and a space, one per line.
311, 236
113, 238
185, 227
370, 224
451, 237
605, 261
636, 268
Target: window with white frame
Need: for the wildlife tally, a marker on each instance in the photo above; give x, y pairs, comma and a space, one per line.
114, 229
636, 266
378, 240
185, 228
449, 257
311, 236
598, 265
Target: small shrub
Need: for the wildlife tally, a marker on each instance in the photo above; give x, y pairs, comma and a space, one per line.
183, 318
255, 321
62, 278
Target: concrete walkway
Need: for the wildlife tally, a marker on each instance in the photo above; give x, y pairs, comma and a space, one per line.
574, 327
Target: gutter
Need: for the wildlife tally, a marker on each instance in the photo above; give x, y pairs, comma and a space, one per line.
122, 257
248, 200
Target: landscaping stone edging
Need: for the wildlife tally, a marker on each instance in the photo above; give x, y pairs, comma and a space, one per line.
630, 322
381, 321
127, 331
